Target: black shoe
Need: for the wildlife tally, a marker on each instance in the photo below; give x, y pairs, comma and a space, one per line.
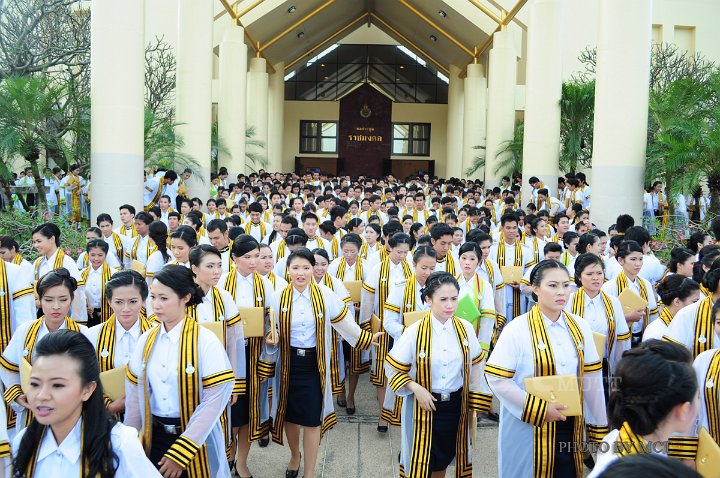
293, 473
382, 428
493, 416
264, 442
350, 410
342, 403
589, 462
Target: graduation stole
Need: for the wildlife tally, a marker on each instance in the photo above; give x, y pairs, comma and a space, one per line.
158, 193
56, 265
105, 274
704, 327
578, 308
712, 387
149, 249
281, 250
5, 323
629, 443
450, 267
320, 242
124, 229
518, 263
261, 225
705, 291
536, 249
218, 307
17, 260
105, 347
342, 267
490, 271
118, 245
32, 464
189, 383
230, 259
335, 247
365, 249
422, 419
666, 316
272, 278
566, 258
426, 213
409, 301
544, 360
255, 344
32, 335
285, 318
622, 283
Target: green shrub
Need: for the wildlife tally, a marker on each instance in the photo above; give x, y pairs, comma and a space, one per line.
19, 225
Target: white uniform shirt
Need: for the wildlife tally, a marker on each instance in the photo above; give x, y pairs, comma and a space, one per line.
447, 358
64, 459
125, 341
682, 327
302, 323
93, 286
205, 310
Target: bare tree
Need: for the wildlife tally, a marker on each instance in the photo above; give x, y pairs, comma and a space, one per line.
160, 66
38, 35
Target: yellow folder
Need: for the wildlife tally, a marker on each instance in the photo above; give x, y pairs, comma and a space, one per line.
707, 460
253, 321
511, 274
217, 328
25, 371
273, 331
375, 324
138, 267
631, 301
599, 343
113, 382
410, 318
557, 389
354, 287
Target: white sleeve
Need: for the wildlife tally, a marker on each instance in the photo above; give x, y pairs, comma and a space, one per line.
132, 460
500, 370
392, 318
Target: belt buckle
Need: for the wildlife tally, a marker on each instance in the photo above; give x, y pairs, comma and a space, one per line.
169, 429
301, 352
444, 397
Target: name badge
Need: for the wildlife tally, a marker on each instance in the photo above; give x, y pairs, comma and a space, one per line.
104, 354
189, 369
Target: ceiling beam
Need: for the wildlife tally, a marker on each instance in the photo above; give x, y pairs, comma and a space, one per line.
486, 11
230, 9
515, 20
409, 42
234, 6
295, 25
327, 40
437, 27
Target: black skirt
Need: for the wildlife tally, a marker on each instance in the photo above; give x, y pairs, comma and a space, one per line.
162, 441
94, 318
445, 423
564, 460
240, 411
305, 395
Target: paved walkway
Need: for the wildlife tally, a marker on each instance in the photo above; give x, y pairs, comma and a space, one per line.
354, 448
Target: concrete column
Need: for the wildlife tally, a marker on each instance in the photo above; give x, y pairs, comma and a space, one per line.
194, 88
257, 106
231, 105
474, 120
276, 108
502, 72
453, 157
117, 86
541, 144
621, 109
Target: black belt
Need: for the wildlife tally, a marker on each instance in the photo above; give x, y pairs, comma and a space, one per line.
300, 352
171, 426
448, 396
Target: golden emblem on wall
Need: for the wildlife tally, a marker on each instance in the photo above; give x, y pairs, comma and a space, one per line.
365, 111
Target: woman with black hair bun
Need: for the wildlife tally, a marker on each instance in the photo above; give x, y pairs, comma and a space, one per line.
544, 342
159, 255
692, 326
179, 381
603, 312
437, 367
115, 339
654, 397
72, 434
56, 290
630, 256
302, 398
182, 242
676, 292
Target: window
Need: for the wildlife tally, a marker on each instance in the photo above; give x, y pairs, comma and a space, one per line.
411, 139
318, 136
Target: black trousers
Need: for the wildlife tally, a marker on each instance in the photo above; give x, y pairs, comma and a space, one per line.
94, 318
565, 460
445, 420
162, 441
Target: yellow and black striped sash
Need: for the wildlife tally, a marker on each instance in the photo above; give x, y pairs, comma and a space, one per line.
32, 335
712, 396
409, 301
450, 267
285, 319
704, 327
629, 443
105, 274
578, 308
342, 267
501, 257
106, 341
544, 365
17, 260
666, 316
281, 250
118, 246
5, 322
622, 283
32, 464
59, 258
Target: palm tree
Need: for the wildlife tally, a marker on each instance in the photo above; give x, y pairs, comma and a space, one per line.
256, 158
510, 154
577, 107
29, 107
163, 146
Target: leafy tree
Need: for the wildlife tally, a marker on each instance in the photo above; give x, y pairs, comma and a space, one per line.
577, 109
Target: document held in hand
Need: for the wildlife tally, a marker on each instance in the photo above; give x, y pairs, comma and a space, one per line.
468, 310
707, 460
410, 318
558, 390
354, 287
631, 301
138, 266
217, 328
511, 274
25, 370
375, 324
253, 321
599, 340
113, 382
